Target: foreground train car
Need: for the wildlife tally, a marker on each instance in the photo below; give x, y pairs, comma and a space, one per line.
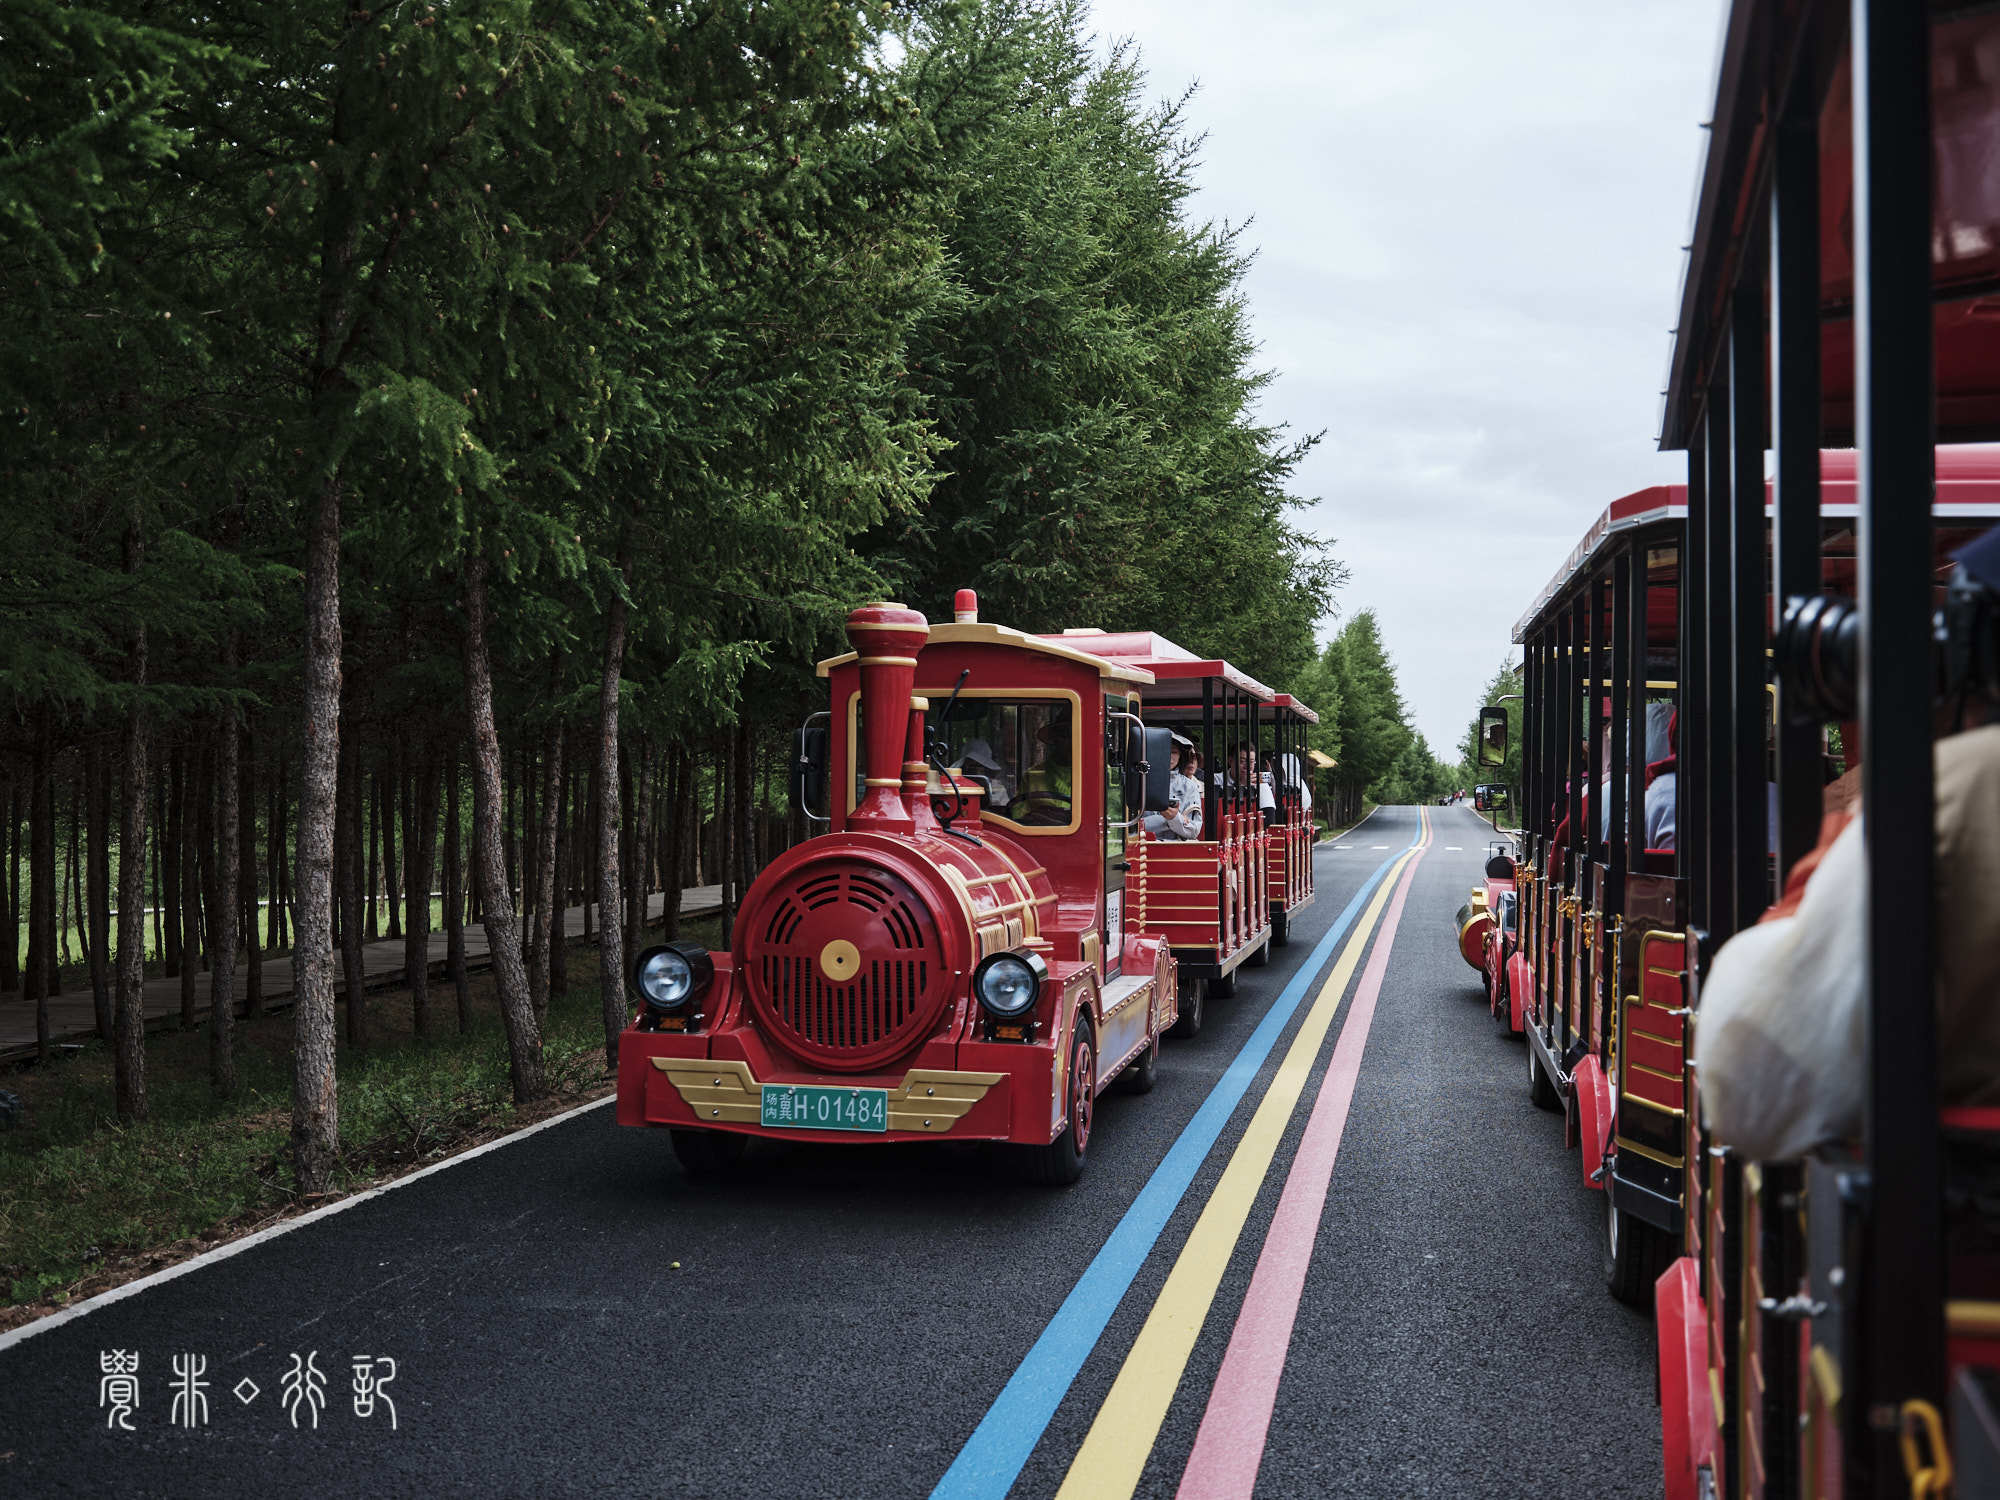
1828, 1326
949, 960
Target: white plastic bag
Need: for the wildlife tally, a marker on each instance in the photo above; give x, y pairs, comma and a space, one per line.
1779, 1037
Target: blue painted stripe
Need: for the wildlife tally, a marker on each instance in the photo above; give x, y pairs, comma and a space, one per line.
992, 1458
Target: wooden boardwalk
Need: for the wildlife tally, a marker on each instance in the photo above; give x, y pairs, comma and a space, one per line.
71, 1018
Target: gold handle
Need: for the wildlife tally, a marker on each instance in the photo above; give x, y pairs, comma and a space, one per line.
1930, 1481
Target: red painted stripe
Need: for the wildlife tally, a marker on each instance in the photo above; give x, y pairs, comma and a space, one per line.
1229, 1448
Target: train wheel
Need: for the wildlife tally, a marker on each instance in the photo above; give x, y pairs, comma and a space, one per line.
1193, 990
709, 1153
1061, 1160
1262, 956
1541, 1093
1143, 1071
1635, 1253
1281, 927
1223, 986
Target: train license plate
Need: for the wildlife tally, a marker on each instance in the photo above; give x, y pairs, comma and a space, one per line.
806, 1106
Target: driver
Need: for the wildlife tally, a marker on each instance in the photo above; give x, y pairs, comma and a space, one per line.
1046, 788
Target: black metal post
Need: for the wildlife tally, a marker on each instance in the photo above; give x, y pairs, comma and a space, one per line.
1690, 783
1902, 1294
1718, 745
1749, 611
1637, 656
1209, 811
1795, 435
1617, 812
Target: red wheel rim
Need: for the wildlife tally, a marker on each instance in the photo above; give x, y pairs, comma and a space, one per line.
1083, 1071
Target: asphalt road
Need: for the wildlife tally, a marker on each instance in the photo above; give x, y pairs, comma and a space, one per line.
572, 1315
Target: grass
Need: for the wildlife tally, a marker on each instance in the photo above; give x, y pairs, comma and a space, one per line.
88, 1200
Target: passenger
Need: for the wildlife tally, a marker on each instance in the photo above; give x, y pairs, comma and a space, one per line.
1782, 1045
1181, 819
1661, 783
981, 764
1046, 788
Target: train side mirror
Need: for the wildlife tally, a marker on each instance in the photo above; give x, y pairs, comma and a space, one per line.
809, 769
1493, 736
1149, 762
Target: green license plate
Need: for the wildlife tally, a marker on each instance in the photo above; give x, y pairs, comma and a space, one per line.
808, 1106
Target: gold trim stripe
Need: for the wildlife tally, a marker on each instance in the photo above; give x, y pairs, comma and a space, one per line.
888, 661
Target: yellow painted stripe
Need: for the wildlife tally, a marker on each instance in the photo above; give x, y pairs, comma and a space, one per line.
1114, 1454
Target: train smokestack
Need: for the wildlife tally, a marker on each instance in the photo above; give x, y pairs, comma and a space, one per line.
886, 638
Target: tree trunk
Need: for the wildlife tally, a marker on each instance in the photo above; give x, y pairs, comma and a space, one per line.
524, 1041
41, 885
97, 776
315, 1102
454, 895
388, 799
610, 947
207, 798
559, 932
228, 896
10, 891
187, 842
167, 842
727, 835
746, 806
420, 858
371, 873
253, 956
680, 775
350, 862
129, 1021
72, 889
274, 861
548, 919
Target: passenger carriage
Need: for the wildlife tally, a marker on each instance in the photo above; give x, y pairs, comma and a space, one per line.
1825, 1327
1220, 900
951, 958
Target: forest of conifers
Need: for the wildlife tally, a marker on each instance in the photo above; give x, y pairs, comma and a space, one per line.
440, 439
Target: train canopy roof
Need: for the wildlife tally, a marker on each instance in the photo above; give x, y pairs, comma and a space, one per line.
1176, 671
1968, 494
1760, 39
980, 633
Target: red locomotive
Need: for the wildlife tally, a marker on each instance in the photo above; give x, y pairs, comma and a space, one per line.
950, 960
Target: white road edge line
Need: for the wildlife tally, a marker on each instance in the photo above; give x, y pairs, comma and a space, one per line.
237, 1247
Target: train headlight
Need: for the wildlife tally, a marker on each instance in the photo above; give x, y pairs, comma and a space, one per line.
673, 975
1008, 984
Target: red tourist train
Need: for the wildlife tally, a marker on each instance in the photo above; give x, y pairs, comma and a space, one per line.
987, 935
1826, 1326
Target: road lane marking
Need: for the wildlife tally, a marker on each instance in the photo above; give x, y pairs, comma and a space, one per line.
1113, 1457
993, 1456
1229, 1448
1453, 848
1381, 846
237, 1247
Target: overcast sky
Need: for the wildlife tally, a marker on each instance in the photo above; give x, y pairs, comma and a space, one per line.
1468, 219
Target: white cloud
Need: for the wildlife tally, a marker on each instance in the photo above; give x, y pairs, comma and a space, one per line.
1469, 220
